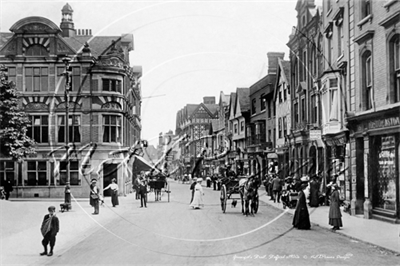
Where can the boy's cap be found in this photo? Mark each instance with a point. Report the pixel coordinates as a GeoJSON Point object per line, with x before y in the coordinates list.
{"type": "Point", "coordinates": [52, 208]}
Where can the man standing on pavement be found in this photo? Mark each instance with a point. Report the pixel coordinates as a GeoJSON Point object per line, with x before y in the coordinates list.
{"type": "Point", "coordinates": [8, 188]}
{"type": "Point", "coordinates": [94, 196]}
{"type": "Point", "coordinates": [50, 227]}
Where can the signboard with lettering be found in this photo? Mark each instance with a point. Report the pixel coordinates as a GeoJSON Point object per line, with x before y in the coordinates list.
{"type": "Point", "coordinates": [315, 134]}
{"type": "Point", "coordinates": [379, 123]}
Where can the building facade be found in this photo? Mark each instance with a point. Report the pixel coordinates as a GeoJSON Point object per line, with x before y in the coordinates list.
{"type": "Point", "coordinates": [374, 119]}
{"type": "Point", "coordinates": [103, 106]}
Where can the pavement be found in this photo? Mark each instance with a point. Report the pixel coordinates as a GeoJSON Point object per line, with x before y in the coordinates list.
{"type": "Point", "coordinates": [21, 219]}
{"type": "Point", "coordinates": [378, 233]}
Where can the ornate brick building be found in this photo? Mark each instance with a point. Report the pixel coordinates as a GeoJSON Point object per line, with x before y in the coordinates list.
{"type": "Point", "coordinates": [104, 105]}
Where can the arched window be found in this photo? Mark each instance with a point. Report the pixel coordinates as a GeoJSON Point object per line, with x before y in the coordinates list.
{"type": "Point", "coordinates": [36, 50]}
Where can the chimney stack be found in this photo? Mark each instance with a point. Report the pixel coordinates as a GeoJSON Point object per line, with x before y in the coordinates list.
{"type": "Point", "coordinates": [273, 61]}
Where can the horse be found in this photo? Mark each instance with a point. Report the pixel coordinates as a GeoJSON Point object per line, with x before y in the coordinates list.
{"type": "Point", "coordinates": [249, 195]}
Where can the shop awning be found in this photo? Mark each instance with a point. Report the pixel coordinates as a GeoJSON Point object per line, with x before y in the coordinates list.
{"type": "Point", "coordinates": [140, 164]}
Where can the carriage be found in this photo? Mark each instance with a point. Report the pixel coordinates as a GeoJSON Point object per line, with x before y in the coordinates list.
{"type": "Point", "coordinates": [159, 185]}
{"type": "Point", "coordinates": [231, 186]}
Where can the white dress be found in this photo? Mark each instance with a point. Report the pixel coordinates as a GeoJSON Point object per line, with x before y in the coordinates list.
{"type": "Point", "coordinates": [198, 197]}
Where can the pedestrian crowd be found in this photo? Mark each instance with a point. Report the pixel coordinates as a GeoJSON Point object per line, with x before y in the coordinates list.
{"type": "Point", "coordinates": [298, 193]}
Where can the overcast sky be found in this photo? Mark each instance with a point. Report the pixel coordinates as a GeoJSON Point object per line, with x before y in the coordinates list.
{"type": "Point", "coordinates": [188, 49]}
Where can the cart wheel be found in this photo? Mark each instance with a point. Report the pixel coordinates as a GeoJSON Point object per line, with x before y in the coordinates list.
{"type": "Point", "coordinates": [223, 198]}
{"type": "Point", "coordinates": [256, 205]}
{"type": "Point", "coordinates": [168, 191]}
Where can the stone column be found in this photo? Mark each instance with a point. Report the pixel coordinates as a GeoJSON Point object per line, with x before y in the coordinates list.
{"type": "Point", "coordinates": [367, 202]}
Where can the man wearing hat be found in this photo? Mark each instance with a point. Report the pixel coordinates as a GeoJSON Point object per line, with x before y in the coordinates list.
{"type": "Point", "coordinates": [50, 227]}
{"type": "Point", "coordinates": [94, 196]}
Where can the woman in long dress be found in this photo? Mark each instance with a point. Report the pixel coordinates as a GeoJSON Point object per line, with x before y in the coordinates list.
{"type": "Point", "coordinates": [114, 192]}
{"type": "Point", "coordinates": [301, 219]}
{"type": "Point", "coordinates": [198, 195]}
{"type": "Point", "coordinates": [335, 216]}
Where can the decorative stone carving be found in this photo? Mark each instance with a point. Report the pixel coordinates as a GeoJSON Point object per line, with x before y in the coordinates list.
{"type": "Point", "coordinates": [114, 62]}
{"type": "Point", "coordinates": [36, 27]}
{"type": "Point", "coordinates": [36, 106]}
{"type": "Point", "coordinates": [112, 106]}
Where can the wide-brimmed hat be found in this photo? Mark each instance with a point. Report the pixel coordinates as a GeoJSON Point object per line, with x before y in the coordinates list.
{"type": "Point", "coordinates": [93, 180]}
{"type": "Point", "coordinates": [199, 179]}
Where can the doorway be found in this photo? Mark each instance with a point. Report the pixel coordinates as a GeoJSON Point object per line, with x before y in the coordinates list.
{"type": "Point", "coordinates": [360, 197]}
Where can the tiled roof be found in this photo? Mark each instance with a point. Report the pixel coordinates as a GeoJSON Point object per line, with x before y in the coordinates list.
{"type": "Point", "coordinates": [212, 108]}
{"type": "Point", "coordinates": [98, 45]}
{"type": "Point", "coordinates": [4, 37]}
{"type": "Point", "coordinates": [243, 95]}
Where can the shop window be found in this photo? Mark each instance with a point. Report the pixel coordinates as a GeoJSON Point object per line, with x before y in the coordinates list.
{"type": "Point", "coordinates": [36, 79]}
{"type": "Point", "coordinates": [112, 85]}
{"type": "Point", "coordinates": [74, 179]}
{"type": "Point", "coordinates": [36, 173]}
{"type": "Point", "coordinates": [7, 172]}
{"type": "Point", "coordinates": [384, 173]}
{"type": "Point", "coordinates": [74, 128]}
{"type": "Point", "coordinates": [38, 129]}
{"type": "Point", "coordinates": [111, 128]}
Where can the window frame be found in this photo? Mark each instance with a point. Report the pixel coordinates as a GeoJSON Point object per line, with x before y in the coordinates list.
{"type": "Point", "coordinates": [71, 128]}
{"type": "Point", "coordinates": [36, 172]}
{"type": "Point", "coordinates": [36, 81]}
{"type": "Point", "coordinates": [117, 126]}
{"type": "Point", "coordinates": [111, 86]}
{"type": "Point", "coordinates": [30, 128]}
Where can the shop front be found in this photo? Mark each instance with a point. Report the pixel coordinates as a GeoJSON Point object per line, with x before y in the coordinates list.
{"type": "Point", "coordinates": [377, 167]}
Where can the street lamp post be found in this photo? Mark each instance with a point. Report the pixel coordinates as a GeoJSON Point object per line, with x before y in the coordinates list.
{"type": "Point", "coordinates": [67, 74]}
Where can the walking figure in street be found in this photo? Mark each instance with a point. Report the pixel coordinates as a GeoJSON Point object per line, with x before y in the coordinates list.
{"type": "Point", "coordinates": [114, 192]}
{"type": "Point", "coordinates": [277, 188]}
{"type": "Point", "coordinates": [192, 189]}
{"type": "Point", "coordinates": [301, 218]}
{"type": "Point", "coordinates": [198, 195]}
{"type": "Point", "coordinates": [335, 216]}
{"type": "Point", "coordinates": [143, 191]}
{"type": "Point", "coordinates": [50, 227]}
{"type": "Point", "coordinates": [94, 196]}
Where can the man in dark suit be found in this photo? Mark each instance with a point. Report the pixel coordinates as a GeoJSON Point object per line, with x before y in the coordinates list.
{"type": "Point", "coordinates": [8, 188]}
{"type": "Point", "coordinates": [50, 227]}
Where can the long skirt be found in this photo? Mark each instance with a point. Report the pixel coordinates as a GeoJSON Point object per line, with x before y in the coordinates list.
{"type": "Point", "coordinates": [197, 200]}
{"type": "Point", "coordinates": [336, 222]}
{"type": "Point", "coordinates": [114, 198]}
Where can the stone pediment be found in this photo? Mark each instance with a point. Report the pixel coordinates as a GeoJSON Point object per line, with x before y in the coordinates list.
{"type": "Point", "coordinates": [35, 25]}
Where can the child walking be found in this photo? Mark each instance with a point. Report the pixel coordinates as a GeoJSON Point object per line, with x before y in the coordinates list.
{"type": "Point", "coordinates": [50, 228]}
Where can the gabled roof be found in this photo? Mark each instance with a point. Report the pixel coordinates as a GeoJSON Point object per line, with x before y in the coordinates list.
{"type": "Point", "coordinates": [224, 99]}
{"type": "Point", "coordinates": [98, 45]}
{"type": "Point", "coordinates": [284, 73]}
{"type": "Point", "coordinates": [232, 102]}
{"type": "Point", "coordinates": [267, 83]}
{"type": "Point", "coordinates": [243, 95]}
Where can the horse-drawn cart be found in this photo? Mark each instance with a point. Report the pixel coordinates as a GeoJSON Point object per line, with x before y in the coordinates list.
{"type": "Point", "coordinates": [159, 185]}
{"type": "Point", "coordinates": [235, 185]}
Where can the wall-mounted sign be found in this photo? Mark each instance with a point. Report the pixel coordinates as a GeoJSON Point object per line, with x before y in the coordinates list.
{"type": "Point", "coordinates": [380, 123]}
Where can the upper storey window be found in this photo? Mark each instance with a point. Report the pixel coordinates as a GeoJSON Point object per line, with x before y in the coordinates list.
{"type": "Point", "coordinates": [113, 85]}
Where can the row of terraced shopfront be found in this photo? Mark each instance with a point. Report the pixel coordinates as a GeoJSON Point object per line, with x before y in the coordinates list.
{"type": "Point", "coordinates": [332, 110]}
